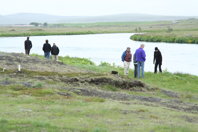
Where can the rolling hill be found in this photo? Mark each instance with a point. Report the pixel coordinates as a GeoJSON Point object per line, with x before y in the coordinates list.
{"type": "Point", "coordinates": [26, 18]}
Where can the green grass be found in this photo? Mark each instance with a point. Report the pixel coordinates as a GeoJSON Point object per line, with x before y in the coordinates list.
{"type": "Point", "coordinates": [64, 115]}
{"type": "Point", "coordinates": [177, 82]}
{"type": "Point", "coordinates": [55, 113]}
{"type": "Point", "coordinates": [174, 37]}
{"type": "Point", "coordinates": [39, 108]}
{"type": "Point", "coordinates": [185, 84]}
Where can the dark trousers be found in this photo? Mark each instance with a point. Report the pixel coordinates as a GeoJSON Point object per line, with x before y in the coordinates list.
{"type": "Point", "coordinates": [156, 65]}
{"type": "Point", "coordinates": [135, 70]}
{"type": "Point", "coordinates": [27, 51]}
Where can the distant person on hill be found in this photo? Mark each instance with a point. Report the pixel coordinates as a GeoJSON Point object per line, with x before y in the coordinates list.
{"type": "Point", "coordinates": [157, 60]}
{"type": "Point", "coordinates": [140, 58]}
{"type": "Point", "coordinates": [47, 49]}
{"type": "Point", "coordinates": [126, 58]}
{"type": "Point", "coordinates": [135, 66]}
{"type": "Point", "coordinates": [55, 52]}
{"type": "Point", "coordinates": [28, 46]}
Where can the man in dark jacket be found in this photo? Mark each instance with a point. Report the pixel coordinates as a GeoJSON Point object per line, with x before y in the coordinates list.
{"type": "Point", "coordinates": [126, 58]}
{"type": "Point", "coordinates": [157, 59]}
{"type": "Point", "coordinates": [55, 52]}
{"type": "Point", "coordinates": [28, 46]}
{"type": "Point", "coordinates": [135, 66]}
{"type": "Point", "coordinates": [47, 49]}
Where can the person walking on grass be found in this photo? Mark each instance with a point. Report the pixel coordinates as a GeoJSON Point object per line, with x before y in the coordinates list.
{"type": "Point", "coordinates": [28, 46]}
{"type": "Point", "coordinates": [126, 58]}
{"type": "Point", "coordinates": [157, 60]}
{"type": "Point", "coordinates": [140, 58]}
{"type": "Point", "coordinates": [55, 52]}
{"type": "Point", "coordinates": [135, 66]}
{"type": "Point", "coordinates": [47, 49]}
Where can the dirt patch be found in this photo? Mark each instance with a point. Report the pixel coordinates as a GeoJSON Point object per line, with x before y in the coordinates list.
{"type": "Point", "coordinates": [173, 104]}
{"type": "Point", "coordinates": [190, 119]}
{"type": "Point", "coordinates": [170, 93]}
{"type": "Point", "coordinates": [132, 85]}
{"type": "Point", "coordinates": [10, 61]}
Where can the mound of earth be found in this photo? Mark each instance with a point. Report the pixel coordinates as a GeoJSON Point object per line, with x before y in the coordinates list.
{"type": "Point", "coordinates": [11, 61]}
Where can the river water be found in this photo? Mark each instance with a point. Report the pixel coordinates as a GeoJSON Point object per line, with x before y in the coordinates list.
{"type": "Point", "coordinates": [181, 58]}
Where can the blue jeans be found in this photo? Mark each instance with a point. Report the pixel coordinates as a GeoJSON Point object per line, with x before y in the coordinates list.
{"type": "Point", "coordinates": [47, 55]}
{"type": "Point", "coordinates": [140, 65]}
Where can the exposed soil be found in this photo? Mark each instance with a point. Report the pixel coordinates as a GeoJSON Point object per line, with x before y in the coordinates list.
{"type": "Point", "coordinates": [10, 61]}
{"type": "Point", "coordinates": [170, 103]}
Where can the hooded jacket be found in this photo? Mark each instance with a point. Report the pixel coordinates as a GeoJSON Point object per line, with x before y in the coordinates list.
{"type": "Point", "coordinates": [55, 50]}
{"type": "Point", "coordinates": [157, 57]}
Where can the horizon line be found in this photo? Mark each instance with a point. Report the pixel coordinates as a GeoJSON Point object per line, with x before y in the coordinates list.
{"type": "Point", "coordinates": [98, 15]}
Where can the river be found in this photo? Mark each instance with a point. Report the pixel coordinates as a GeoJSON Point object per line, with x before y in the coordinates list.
{"type": "Point", "coordinates": [109, 47]}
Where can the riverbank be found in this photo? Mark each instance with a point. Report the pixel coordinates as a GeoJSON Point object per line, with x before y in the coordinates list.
{"type": "Point", "coordinates": [181, 31]}
{"type": "Point", "coordinates": [172, 37]}
{"type": "Point", "coordinates": [65, 29]}
{"type": "Point", "coordinates": [76, 95]}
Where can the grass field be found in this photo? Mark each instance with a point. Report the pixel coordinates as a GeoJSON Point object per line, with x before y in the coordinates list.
{"type": "Point", "coordinates": [36, 106]}
{"type": "Point", "coordinates": [184, 31]}
{"type": "Point", "coordinates": [181, 31]}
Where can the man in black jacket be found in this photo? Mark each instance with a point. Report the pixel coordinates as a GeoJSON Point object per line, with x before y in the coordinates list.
{"type": "Point", "coordinates": [135, 66]}
{"type": "Point", "coordinates": [28, 46]}
{"type": "Point", "coordinates": [47, 49]}
{"type": "Point", "coordinates": [55, 52]}
{"type": "Point", "coordinates": [157, 59]}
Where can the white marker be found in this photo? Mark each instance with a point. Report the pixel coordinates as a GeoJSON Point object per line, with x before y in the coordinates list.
{"type": "Point", "coordinates": [19, 68]}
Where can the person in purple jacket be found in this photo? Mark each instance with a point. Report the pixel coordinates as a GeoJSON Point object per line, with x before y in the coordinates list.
{"type": "Point", "coordinates": [140, 59]}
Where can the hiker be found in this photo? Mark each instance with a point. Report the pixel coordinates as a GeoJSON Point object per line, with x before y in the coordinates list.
{"type": "Point", "coordinates": [55, 52]}
{"type": "Point", "coordinates": [47, 49]}
{"type": "Point", "coordinates": [27, 45]}
{"type": "Point", "coordinates": [135, 66]}
{"type": "Point", "coordinates": [157, 60]}
{"type": "Point", "coordinates": [126, 58]}
{"type": "Point", "coordinates": [140, 58]}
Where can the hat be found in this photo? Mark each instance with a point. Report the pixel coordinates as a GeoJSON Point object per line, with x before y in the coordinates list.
{"type": "Point", "coordinates": [156, 48]}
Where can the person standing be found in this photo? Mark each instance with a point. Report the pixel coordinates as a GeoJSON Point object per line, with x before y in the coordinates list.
{"type": "Point", "coordinates": [157, 60]}
{"type": "Point", "coordinates": [126, 58]}
{"type": "Point", "coordinates": [135, 66]}
{"type": "Point", "coordinates": [140, 58]}
{"type": "Point", "coordinates": [55, 52]}
{"type": "Point", "coordinates": [28, 46]}
{"type": "Point", "coordinates": [47, 49]}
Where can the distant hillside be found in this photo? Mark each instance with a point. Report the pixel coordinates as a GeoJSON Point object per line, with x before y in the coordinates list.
{"type": "Point", "coordinates": [26, 18]}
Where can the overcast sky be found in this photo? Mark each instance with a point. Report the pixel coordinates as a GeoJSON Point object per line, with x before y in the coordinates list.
{"type": "Point", "coordinates": [100, 7]}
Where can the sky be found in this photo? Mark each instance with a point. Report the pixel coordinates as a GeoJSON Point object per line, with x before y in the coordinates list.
{"type": "Point", "coordinates": [100, 7]}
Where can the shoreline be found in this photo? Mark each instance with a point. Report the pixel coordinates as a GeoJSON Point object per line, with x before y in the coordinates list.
{"type": "Point", "coordinates": [146, 37]}
{"type": "Point", "coordinates": [166, 39]}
